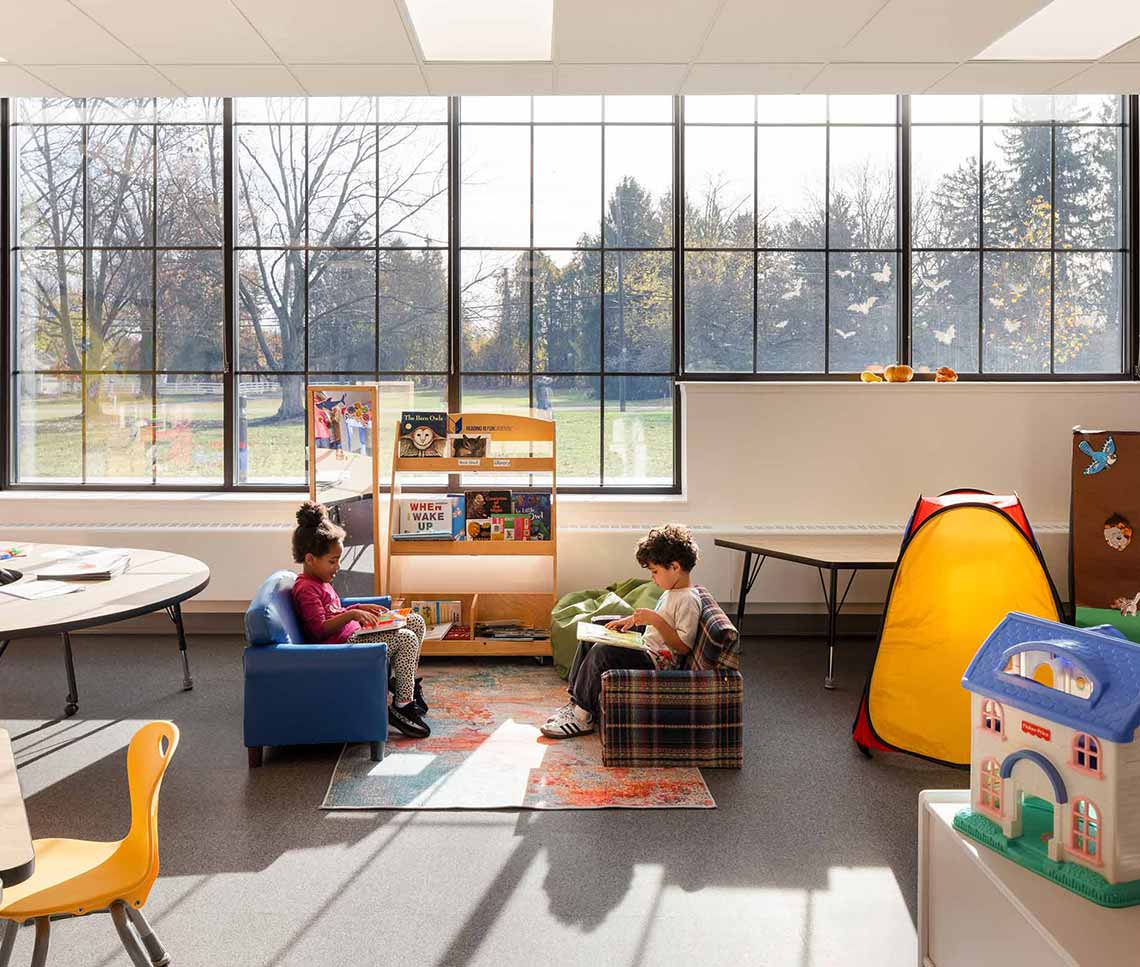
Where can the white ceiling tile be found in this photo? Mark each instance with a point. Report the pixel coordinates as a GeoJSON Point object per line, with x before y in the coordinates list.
{"type": "Point", "coordinates": [445, 79]}
{"type": "Point", "coordinates": [133, 80]}
{"type": "Point", "coordinates": [629, 31]}
{"type": "Point", "coordinates": [1129, 53]}
{"type": "Point", "coordinates": [936, 30]}
{"type": "Point", "coordinates": [1007, 77]}
{"type": "Point", "coordinates": [17, 82]}
{"type": "Point", "coordinates": [334, 80]}
{"type": "Point", "coordinates": [619, 78]}
{"type": "Point", "coordinates": [750, 78]}
{"type": "Point", "coordinates": [332, 31]}
{"type": "Point", "coordinates": [1103, 79]}
{"type": "Point", "coordinates": [202, 32]}
{"type": "Point", "coordinates": [234, 80]}
{"type": "Point", "coordinates": [56, 32]}
{"type": "Point", "coordinates": [877, 78]}
{"type": "Point", "coordinates": [785, 30]}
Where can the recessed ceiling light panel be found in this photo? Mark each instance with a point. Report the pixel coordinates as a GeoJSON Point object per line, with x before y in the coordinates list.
{"type": "Point", "coordinates": [490, 30]}
{"type": "Point", "coordinates": [1069, 30]}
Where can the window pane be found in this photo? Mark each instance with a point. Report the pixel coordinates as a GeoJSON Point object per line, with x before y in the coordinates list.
{"type": "Point", "coordinates": [413, 185]}
{"type": "Point", "coordinates": [495, 199]}
{"type": "Point", "coordinates": [49, 418]}
{"type": "Point", "coordinates": [567, 317]}
{"type": "Point", "coordinates": [271, 430]}
{"type": "Point", "coordinates": [790, 323]}
{"type": "Point", "coordinates": [639, 431]}
{"type": "Point", "coordinates": [862, 187]}
{"type": "Point", "coordinates": [568, 108]}
{"type": "Point", "coordinates": [272, 110]}
{"type": "Point", "coordinates": [119, 110]}
{"type": "Point", "coordinates": [49, 208]}
{"type": "Point", "coordinates": [791, 108]}
{"type": "Point", "coordinates": [1087, 108]}
{"type": "Point", "coordinates": [639, 186]}
{"type": "Point", "coordinates": [515, 108]}
{"type": "Point", "coordinates": [342, 185]}
{"type": "Point", "coordinates": [945, 306]}
{"type": "Point", "coordinates": [191, 310]}
{"type": "Point", "coordinates": [639, 311]}
{"type": "Point", "coordinates": [495, 312]}
{"type": "Point", "coordinates": [190, 204]}
{"type": "Point", "coordinates": [345, 110]}
{"type": "Point", "coordinates": [342, 311]}
{"type": "Point", "coordinates": [49, 310]}
{"type": "Point", "coordinates": [119, 419]}
{"type": "Point", "coordinates": [863, 327]}
{"type": "Point", "coordinates": [270, 185]}
{"type": "Point", "coordinates": [567, 185]}
{"type": "Point", "coordinates": [720, 109]}
{"type": "Point", "coordinates": [413, 310]}
{"type": "Point", "coordinates": [1088, 187]}
{"type": "Point", "coordinates": [408, 110]}
{"type": "Point", "coordinates": [862, 108]}
{"type": "Point", "coordinates": [182, 110]}
{"type": "Point", "coordinates": [790, 187]}
{"type": "Point", "coordinates": [120, 185]}
{"type": "Point", "coordinates": [1015, 196]}
{"type": "Point", "coordinates": [189, 443]}
{"type": "Point", "coordinates": [575, 403]}
{"type": "Point", "coordinates": [271, 310]}
{"type": "Point", "coordinates": [1015, 312]}
{"type": "Point", "coordinates": [49, 110]}
{"type": "Point", "coordinates": [120, 310]}
{"type": "Point", "coordinates": [718, 186]}
{"type": "Point", "coordinates": [945, 108]}
{"type": "Point", "coordinates": [643, 108]}
{"type": "Point", "coordinates": [718, 312]}
{"type": "Point", "coordinates": [1087, 332]}
{"type": "Point", "coordinates": [944, 187]}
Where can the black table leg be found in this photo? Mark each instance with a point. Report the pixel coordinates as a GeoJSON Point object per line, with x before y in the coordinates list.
{"type": "Point", "coordinates": [175, 612]}
{"type": "Point", "coordinates": [832, 621]}
{"type": "Point", "coordinates": [743, 592]}
{"type": "Point", "coordinates": [72, 705]}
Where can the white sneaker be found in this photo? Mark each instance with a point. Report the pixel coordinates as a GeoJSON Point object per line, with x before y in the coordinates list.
{"type": "Point", "coordinates": [568, 721]}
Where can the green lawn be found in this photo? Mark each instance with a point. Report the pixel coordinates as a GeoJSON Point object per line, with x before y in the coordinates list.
{"type": "Point", "coordinates": [638, 442]}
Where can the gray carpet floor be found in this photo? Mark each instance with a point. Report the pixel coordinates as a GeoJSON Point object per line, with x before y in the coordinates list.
{"type": "Point", "coordinates": [810, 858]}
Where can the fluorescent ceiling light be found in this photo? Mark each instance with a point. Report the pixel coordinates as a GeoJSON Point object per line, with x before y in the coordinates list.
{"type": "Point", "coordinates": [1069, 30]}
{"type": "Point", "coordinates": [483, 29]}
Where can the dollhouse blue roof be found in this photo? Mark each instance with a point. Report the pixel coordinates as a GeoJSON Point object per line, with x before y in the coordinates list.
{"type": "Point", "coordinates": [1103, 655]}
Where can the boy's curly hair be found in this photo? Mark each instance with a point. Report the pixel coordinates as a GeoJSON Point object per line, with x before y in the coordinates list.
{"type": "Point", "coordinates": [664, 545]}
{"type": "Point", "coordinates": [315, 533]}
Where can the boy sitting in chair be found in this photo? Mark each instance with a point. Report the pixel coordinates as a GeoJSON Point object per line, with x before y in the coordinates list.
{"type": "Point", "coordinates": [670, 553]}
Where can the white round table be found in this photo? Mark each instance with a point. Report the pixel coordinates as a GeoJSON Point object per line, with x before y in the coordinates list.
{"type": "Point", "coordinates": [155, 580]}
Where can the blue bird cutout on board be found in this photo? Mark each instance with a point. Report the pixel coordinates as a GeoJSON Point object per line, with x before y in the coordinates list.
{"type": "Point", "coordinates": [1101, 459]}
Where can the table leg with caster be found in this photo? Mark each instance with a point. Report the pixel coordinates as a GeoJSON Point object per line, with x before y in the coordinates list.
{"type": "Point", "coordinates": [72, 705]}
{"type": "Point", "coordinates": [832, 621]}
{"type": "Point", "coordinates": [175, 613]}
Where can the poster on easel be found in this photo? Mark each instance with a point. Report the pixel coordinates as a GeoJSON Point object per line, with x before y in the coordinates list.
{"type": "Point", "coordinates": [1104, 551]}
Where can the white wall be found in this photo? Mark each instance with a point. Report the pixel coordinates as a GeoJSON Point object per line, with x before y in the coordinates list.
{"type": "Point", "coordinates": [756, 457]}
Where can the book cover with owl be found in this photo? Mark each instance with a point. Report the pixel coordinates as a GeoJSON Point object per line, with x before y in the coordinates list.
{"type": "Point", "coordinates": [423, 434]}
{"type": "Point", "coordinates": [537, 506]}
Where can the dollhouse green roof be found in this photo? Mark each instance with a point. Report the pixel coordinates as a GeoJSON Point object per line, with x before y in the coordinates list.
{"type": "Point", "coordinates": [1102, 654]}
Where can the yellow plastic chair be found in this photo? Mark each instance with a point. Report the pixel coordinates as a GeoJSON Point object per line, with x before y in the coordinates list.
{"type": "Point", "coordinates": [76, 877]}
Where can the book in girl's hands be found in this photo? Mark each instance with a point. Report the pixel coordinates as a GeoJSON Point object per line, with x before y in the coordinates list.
{"type": "Point", "coordinates": [422, 434]}
{"type": "Point", "coordinates": [537, 505]}
{"type": "Point", "coordinates": [392, 622]}
{"type": "Point", "coordinates": [601, 635]}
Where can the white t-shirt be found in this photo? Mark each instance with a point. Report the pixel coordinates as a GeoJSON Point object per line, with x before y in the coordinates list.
{"type": "Point", "coordinates": [681, 608]}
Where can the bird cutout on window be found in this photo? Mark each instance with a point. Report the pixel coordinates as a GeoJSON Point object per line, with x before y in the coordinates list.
{"type": "Point", "coordinates": [794, 291]}
{"type": "Point", "coordinates": [1101, 459]}
{"type": "Point", "coordinates": [945, 336]}
{"type": "Point", "coordinates": [1011, 325]}
{"type": "Point", "coordinates": [996, 301]}
{"type": "Point", "coordinates": [1018, 289]}
{"type": "Point", "coordinates": [782, 324]}
{"type": "Point", "coordinates": [937, 286]}
{"type": "Point", "coordinates": [844, 273]}
{"type": "Point", "coordinates": [845, 335]}
{"type": "Point", "coordinates": [884, 274]}
{"type": "Point", "coordinates": [863, 307]}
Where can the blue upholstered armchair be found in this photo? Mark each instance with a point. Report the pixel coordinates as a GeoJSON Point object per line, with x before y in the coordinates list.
{"type": "Point", "coordinates": [303, 694]}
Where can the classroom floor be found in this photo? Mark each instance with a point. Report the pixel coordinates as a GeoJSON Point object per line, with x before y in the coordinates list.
{"type": "Point", "coordinates": [809, 859]}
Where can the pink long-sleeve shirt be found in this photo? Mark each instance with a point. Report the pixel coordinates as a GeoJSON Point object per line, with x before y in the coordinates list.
{"type": "Point", "coordinates": [315, 602]}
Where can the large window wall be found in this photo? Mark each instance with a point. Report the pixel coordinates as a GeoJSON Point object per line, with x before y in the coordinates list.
{"type": "Point", "coordinates": [180, 270]}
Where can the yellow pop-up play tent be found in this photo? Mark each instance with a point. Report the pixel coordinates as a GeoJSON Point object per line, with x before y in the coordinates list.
{"type": "Point", "coordinates": [967, 560]}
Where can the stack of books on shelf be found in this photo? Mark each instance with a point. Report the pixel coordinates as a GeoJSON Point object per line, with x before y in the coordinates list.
{"type": "Point", "coordinates": [440, 616]}
{"type": "Point", "coordinates": [476, 515]}
{"type": "Point", "coordinates": [510, 629]}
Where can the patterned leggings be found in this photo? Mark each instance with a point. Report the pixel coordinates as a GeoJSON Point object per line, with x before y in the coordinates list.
{"type": "Point", "coordinates": [403, 654]}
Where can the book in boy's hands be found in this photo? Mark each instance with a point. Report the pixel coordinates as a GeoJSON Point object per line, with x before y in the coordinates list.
{"type": "Point", "coordinates": [537, 505]}
{"type": "Point", "coordinates": [422, 434]}
{"type": "Point", "coordinates": [97, 564]}
{"type": "Point", "coordinates": [599, 634]}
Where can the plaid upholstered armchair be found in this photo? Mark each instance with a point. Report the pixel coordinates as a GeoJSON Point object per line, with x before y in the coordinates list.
{"type": "Point", "coordinates": [690, 717]}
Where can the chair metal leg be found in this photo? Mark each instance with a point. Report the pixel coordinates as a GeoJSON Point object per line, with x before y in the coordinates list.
{"type": "Point", "coordinates": [127, 935]}
{"type": "Point", "coordinates": [175, 612]}
{"type": "Point", "coordinates": [377, 752]}
{"type": "Point", "coordinates": [158, 955]}
{"type": "Point", "coordinates": [72, 705]}
{"type": "Point", "coordinates": [43, 935]}
{"type": "Point", "coordinates": [8, 941]}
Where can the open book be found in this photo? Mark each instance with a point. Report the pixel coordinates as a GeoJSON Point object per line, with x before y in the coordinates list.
{"type": "Point", "coordinates": [393, 622]}
{"type": "Point", "coordinates": [603, 636]}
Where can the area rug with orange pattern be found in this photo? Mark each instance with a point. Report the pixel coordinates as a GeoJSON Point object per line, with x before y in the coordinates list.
{"type": "Point", "coordinates": [486, 752]}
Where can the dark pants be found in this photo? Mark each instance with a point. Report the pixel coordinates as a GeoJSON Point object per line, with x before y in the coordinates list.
{"type": "Point", "coordinates": [590, 661]}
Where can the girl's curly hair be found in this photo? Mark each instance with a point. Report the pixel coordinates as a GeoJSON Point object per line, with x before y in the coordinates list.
{"type": "Point", "coordinates": [664, 545]}
{"type": "Point", "coordinates": [315, 533]}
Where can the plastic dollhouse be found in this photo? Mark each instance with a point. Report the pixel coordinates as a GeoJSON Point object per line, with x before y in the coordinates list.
{"type": "Point", "coordinates": [1055, 761]}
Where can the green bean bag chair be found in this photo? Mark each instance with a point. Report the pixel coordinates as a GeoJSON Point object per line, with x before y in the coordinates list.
{"type": "Point", "coordinates": [621, 598]}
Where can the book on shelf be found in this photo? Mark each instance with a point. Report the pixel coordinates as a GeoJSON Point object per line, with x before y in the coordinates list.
{"type": "Point", "coordinates": [481, 506]}
{"type": "Point", "coordinates": [601, 635]}
{"type": "Point", "coordinates": [437, 632]}
{"type": "Point", "coordinates": [424, 516]}
{"type": "Point", "coordinates": [537, 506]}
{"type": "Point", "coordinates": [434, 537]}
{"type": "Point", "coordinates": [423, 434]}
{"type": "Point", "coordinates": [511, 527]}
{"type": "Point", "coordinates": [86, 565]}
{"type": "Point", "coordinates": [510, 631]}
{"type": "Point", "coordinates": [468, 446]}
{"type": "Point", "coordinates": [458, 516]}
{"type": "Point", "coordinates": [438, 611]}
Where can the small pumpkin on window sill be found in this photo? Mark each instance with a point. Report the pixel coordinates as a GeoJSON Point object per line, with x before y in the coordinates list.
{"type": "Point", "coordinates": [944, 374]}
{"type": "Point", "coordinates": [899, 373]}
